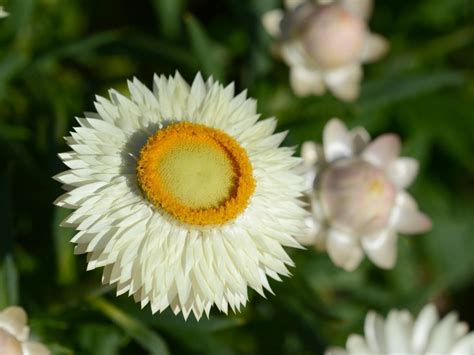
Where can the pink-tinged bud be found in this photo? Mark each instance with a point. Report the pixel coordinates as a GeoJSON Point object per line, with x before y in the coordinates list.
{"type": "Point", "coordinates": [9, 345]}
{"type": "Point", "coordinates": [357, 197]}
{"type": "Point", "coordinates": [333, 36]}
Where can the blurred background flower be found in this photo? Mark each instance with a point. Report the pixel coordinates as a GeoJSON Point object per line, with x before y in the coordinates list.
{"type": "Point", "coordinates": [56, 55]}
{"type": "Point", "coordinates": [15, 334]}
{"type": "Point", "coordinates": [400, 333]}
{"type": "Point", "coordinates": [356, 193]}
{"type": "Point", "coordinates": [325, 43]}
{"type": "Point", "coordinates": [3, 13]}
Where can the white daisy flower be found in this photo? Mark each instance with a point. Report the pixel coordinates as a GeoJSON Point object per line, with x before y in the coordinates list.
{"type": "Point", "coordinates": [14, 334]}
{"type": "Point", "coordinates": [400, 334]}
{"type": "Point", "coordinates": [357, 193]}
{"type": "Point", "coordinates": [325, 44]}
{"type": "Point", "coordinates": [3, 13]}
{"type": "Point", "coordinates": [182, 195]}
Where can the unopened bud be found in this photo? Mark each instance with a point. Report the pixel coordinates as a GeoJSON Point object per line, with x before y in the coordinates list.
{"type": "Point", "coordinates": [333, 36]}
{"type": "Point", "coordinates": [357, 197]}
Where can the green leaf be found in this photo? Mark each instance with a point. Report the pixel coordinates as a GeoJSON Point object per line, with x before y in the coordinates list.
{"type": "Point", "coordinates": [98, 339]}
{"type": "Point", "coordinates": [197, 336]}
{"type": "Point", "coordinates": [6, 223]}
{"type": "Point", "coordinates": [79, 48]}
{"type": "Point", "coordinates": [212, 58]}
{"type": "Point", "coordinates": [19, 21]}
{"type": "Point", "coordinates": [10, 65]}
{"type": "Point", "coordinates": [11, 132]}
{"type": "Point", "coordinates": [9, 289]}
{"type": "Point", "coordinates": [143, 45]}
{"type": "Point", "coordinates": [143, 335]}
{"type": "Point", "coordinates": [65, 260]}
{"type": "Point", "coordinates": [384, 92]}
{"type": "Point", "coordinates": [169, 14]}
{"type": "Point", "coordinates": [213, 324]}
{"type": "Point", "coordinates": [57, 349]}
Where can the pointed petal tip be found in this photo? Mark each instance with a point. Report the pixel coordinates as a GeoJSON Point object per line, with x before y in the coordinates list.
{"type": "Point", "coordinates": [344, 251]}
{"type": "Point", "coordinates": [383, 150]}
{"type": "Point", "coordinates": [336, 140]}
{"type": "Point", "coordinates": [271, 22]}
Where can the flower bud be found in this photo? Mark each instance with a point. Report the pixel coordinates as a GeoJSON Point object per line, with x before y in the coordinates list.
{"type": "Point", "coordinates": [357, 197]}
{"type": "Point", "coordinates": [9, 345]}
{"type": "Point", "coordinates": [333, 36]}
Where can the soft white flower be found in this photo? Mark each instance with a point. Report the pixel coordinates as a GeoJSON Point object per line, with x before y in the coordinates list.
{"type": "Point", "coordinates": [357, 194]}
{"type": "Point", "coordinates": [182, 195]}
{"type": "Point", "coordinates": [3, 13]}
{"type": "Point", "coordinates": [14, 334]}
{"type": "Point", "coordinates": [325, 44]}
{"type": "Point", "coordinates": [400, 334]}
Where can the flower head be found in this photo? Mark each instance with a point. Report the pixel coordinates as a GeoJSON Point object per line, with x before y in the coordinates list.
{"type": "Point", "coordinates": [401, 334]}
{"type": "Point", "coordinates": [357, 195]}
{"type": "Point", "coordinates": [182, 196]}
{"type": "Point", "coordinates": [325, 44]}
{"type": "Point", "coordinates": [14, 334]}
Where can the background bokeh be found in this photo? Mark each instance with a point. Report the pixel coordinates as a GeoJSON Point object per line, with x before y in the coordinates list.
{"type": "Point", "coordinates": [55, 55]}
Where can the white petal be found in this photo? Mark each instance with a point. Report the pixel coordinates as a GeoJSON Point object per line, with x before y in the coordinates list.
{"type": "Point", "coordinates": [344, 250]}
{"type": "Point", "coordinates": [381, 248]}
{"type": "Point", "coordinates": [383, 150]}
{"type": "Point", "coordinates": [14, 320]}
{"type": "Point", "coordinates": [406, 218]}
{"type": "Point", "coordinates": [361, 8]}
{"type": "Point", "coordinates": [356, 345]}
{"type": "Point", "coordinates": [374, 330]}
{"type": "Point", "coordinates": [422, 328]}
{"type": "Point", "coordinates": [312, 153]}
{"type": "Point", "coordinates": [403, 171]}
{"type": "Point", "coordinates": [375, 47]}
{"type": "Point", "coordinates": [291, 4]}
{"type": "Point", "coordinates": [293, 53]}
{"type": "Point", "coordinates": [271, 21]}
{"type": "Point", "coordinates": [313, 229]}
{"type": "Point", "coordinates": [337, 141]}
{"type": "Point", "coordinates": [306, 82]}
{"type": "Point", "coordinates": [360, 139]}
{"type": "Point", "coordinates": [443, 335]}
{"type": "Point", "coordinates": [336, 351]}
{"type": "Point", "coordinates": [34, 348]}
{"type": "Point", "coordinates": [397, 333]}
{"type": "Point", "coordinates": [345, 82]}
{"type": "Point", "coordinates": [464, 346]}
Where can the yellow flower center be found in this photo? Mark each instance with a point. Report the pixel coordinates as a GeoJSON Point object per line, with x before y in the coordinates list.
{"type": "Point", "coordinates": [197, 174]}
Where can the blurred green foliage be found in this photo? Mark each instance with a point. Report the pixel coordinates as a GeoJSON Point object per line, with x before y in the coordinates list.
{"type": "Point", "coordinates": [55, 55]}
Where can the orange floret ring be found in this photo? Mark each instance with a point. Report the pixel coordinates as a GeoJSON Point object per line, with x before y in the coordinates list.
{"type": "Point", "coordinates": [197, 174]}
